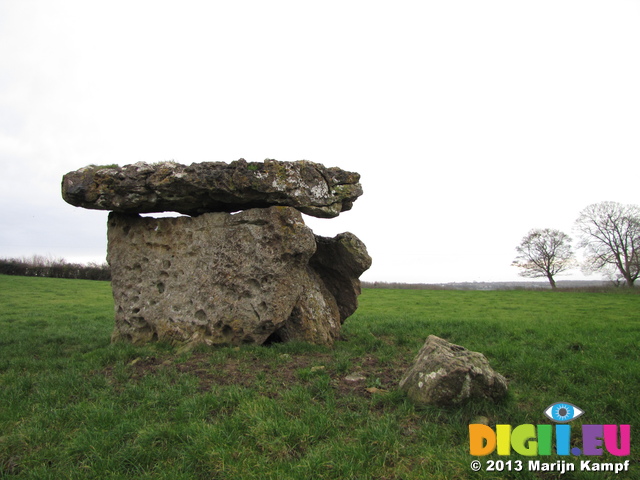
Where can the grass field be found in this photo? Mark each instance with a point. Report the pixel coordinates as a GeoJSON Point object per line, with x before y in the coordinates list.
{"type": "Point", "coordinates": [74, 406]}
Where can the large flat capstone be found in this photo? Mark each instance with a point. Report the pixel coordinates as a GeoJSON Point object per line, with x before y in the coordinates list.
{"type": "Point", "coordinates": [205, 187]}
{"type": "Point", "coordinates": [256, 276]}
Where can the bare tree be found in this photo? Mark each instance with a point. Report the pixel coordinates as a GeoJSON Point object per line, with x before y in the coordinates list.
{"type": "Point", "coordinates": [544, 253]}
{"type": "Point", "coordinates": [610, 233]}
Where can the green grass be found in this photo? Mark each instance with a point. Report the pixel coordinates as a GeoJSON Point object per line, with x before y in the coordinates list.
{"type": "Point", "coordinates": [72, 405]}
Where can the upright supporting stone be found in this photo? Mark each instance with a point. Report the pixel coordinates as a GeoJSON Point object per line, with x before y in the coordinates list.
{"type": "Point", "coordinates": [220, 279]}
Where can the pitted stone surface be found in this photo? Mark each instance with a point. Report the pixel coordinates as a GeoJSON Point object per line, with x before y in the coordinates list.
{"type": "Point", "coordinates": [447, 374]}
{"type": "Point", "coordinates": [220, 278]}
{"type": "Point", "coordinates": [340, 261]}
{"type": "Point", "coordinates": [213, 187]}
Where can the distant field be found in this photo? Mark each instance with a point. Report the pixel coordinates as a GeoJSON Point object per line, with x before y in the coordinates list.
{"type": "Point", "coordinates": [74, 406]}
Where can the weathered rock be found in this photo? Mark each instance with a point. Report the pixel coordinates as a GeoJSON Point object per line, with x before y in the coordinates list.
{"type": "Point", "coordinates": [220, 278]}
{"type": "Point", "coordinates": [340, 261]}
{"type": "Point", "coordinates": [256, 276]}
{"type": "Point", "coordinates": [213, 187]}
{"type": "Point", "coordinates": [447, 374]}
{"type": "Point", "coordinates": [335, 269]}
{"type": "Point", "coordinates": [355, 378]}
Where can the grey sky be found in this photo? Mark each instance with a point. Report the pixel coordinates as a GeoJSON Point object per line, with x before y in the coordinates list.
{"type": "Point", "coordinates": [470, 122]}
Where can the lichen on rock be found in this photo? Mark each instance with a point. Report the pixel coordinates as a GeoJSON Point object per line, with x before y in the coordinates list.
{"type": "Point", "coordinates": [207, 187]}
{"type": "Point", "coordinates": [446, 374]}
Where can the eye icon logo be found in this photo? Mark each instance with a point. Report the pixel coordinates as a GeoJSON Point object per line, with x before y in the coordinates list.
{"type": "Point", "coordinates": [563, 412]}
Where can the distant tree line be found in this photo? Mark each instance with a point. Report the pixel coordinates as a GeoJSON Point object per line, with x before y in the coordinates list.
{"type": "Point", "coordinates": [402, 286]}
{"type": "Point", "coordinates": [40, 266]}
{"type": "Point", "coordinates": [591, 286]}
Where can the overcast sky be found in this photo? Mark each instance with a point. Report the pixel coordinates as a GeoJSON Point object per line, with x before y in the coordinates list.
{"type": "Point", "coordinates": [471, 122]}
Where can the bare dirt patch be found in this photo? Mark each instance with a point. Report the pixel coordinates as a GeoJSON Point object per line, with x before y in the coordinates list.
{"type": "Point", "coordinates": [271, 375]}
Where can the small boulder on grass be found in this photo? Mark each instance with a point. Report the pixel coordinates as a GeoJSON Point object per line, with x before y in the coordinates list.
{"type": "Point", "coordinates": [447, 374]}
